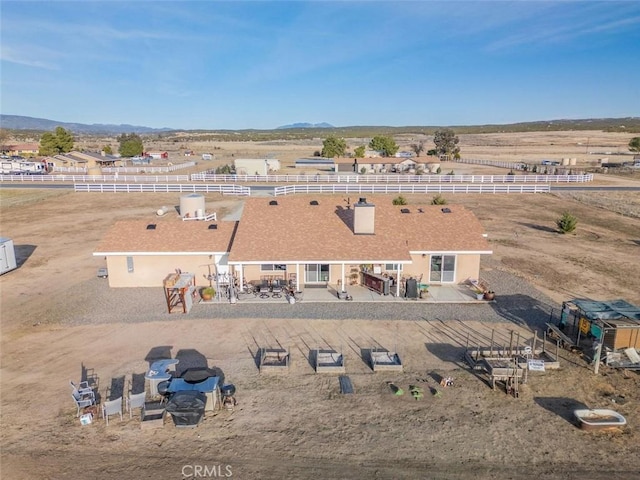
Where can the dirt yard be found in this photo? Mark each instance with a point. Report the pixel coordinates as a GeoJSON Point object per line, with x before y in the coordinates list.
{"type": "Point", "coordinates": [298, 425]}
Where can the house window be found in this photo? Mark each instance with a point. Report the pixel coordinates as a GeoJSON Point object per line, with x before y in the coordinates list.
{"type": "Point", "coordinates": [442, 268]}
{"type": "Point", "coordinates": [130, 264]}
{"type": "Point", "coordinates": [392, 267]}
{"type": "Point", "coordinates": [316, 273]}
{"type": "Point", "coordinates": [270, 267]}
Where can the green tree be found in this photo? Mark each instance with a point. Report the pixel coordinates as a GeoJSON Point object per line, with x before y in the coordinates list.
{"type": "Point", "coordinates": [446, 143]}
{"type": "Point", "coordinates": [567, 223]}
{"type": "Point", "coordinates": [61, 141]}
{"type": "Point", "coordinates": [359, 151]}
{"type": "Point", "coordinates": [634, 144]}
{"type": "Point", "coordinates": [333, 147]}
{"type": "Point", "coordinates": [399, 200]}
{"type": "Point", "coordinates": [417, 148]}
{"type": "Point", "coordinates": [130, 145]}
{"type": "Point", "coordinates": [385, 145]}
{"type": "Point", "coordinates": [107, 149]}
{"type": "Point", "coordinates": [438, 200]}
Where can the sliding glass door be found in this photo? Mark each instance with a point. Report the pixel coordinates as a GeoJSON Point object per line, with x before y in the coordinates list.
{"type": "Point", "coordinates": [316, 273]}
{"type": "Point", "coordinates": [443, 268]}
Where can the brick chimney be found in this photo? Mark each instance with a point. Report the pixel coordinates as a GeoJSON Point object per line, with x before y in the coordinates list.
{"type": "Point", "coordinates": [364, 215]}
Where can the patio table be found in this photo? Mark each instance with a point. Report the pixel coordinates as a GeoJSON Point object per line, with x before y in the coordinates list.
{"type": "Point", "coordinates": [159, 371]}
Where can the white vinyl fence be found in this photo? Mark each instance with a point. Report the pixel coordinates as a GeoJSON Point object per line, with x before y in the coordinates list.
{"type": "Point", "coordinates": [95, 178]}
{"type": "Point", "coordinates": [161, 188]}
{"type": "Point", "coordinates": [360, 188]}
{"type": "Point", "coordinates": [207, 177]}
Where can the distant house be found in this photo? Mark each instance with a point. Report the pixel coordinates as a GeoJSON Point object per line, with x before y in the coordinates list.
{"type": "Point", "coordinates": [23, 149]}
{"type": "Point", "coordinates": [83, 160]}
{"type": "Point", "coordinates": [378, 165]}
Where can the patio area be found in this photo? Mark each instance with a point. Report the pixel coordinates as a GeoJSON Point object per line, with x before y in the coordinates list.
{"type": "Point", "coordinates": [436, 294]}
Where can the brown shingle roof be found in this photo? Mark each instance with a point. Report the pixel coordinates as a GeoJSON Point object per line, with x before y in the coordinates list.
{"type": "Point", "coordinates": [295, 230]}
{"type": "Point", "coordinates": [169, 236]}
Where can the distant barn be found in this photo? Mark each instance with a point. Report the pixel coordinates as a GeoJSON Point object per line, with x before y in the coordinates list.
{"type": "Point", "coordinates": [318, 163]}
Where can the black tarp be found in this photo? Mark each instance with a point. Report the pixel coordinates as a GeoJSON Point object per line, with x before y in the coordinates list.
{"type": "Point", "coordinates": [187, 408]}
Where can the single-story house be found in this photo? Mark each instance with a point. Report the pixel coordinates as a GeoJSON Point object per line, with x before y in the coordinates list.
{"type": "Point", "coordinates": [322, 240]}
{"type": "Point", "coordinates": [308, 240]}
{"type": "Point", "coordinates": [141, 253]}
{"type": "Point", "coordinates": [83, 160]}
{"type": "Point", "coordinates": [378, 165]}
{"type": "Point", "coordinates": [23, 149]}
{"type": "Point", "coordinates": [256, 166]}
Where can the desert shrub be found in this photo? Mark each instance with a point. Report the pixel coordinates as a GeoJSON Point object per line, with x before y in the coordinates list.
{"type": "Point", "coordinates": [439, 171]}
{"type": "Point", "coordinates": [399, 200]}
{"type": "Point", "coordinates": [438, 200]}
{"type": "Point", "coordinates": [567, 223]}
{"type": "Point", "coordinates": [225, 170]}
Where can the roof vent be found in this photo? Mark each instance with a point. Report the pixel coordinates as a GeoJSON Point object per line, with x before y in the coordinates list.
{"type": "Point", "coordinates": [405, 210]}
{"type": "Point", "coordinates": [314, 202]}
{"type": "Point", "coordinates": [151, 226]}
{"type": "Point", "coordinates": [213, 226]}
{"type": "Point", "coordinates": [420, 210]}
{"type": "Point", "coordinates": [273, 202]}
{"type": "Point", "coordinates": [446, 210]}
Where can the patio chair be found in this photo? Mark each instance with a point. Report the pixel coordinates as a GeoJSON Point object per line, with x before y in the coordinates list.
{"type": "Point", "coordinates": [83, 388]}
{"type": "Point", "coordinates": [82, 401]}
{"type": "Point", "coordinates": [112, 407]}
{"type": "Point", "coordinates": [276, 289]}
{"type": "Point", "coordinates": [135, 401]}
{"type": "Point", "coordinates": [263, 290]}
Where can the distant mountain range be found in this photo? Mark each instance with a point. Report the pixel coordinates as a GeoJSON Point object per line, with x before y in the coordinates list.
{"type": "Point", "coordinates": [18, 122]}
{"type": "Point", "coordinates": [304, 130]}
{"type": "Point", "coordinates": [306, 125]}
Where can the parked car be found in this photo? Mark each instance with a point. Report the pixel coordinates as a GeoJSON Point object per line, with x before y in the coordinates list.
{"type": "Point", "coordinates": [103, 272]}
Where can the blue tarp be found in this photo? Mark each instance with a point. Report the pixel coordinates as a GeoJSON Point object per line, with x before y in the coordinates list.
{"type": "Point", "coordinates": [609, 310]}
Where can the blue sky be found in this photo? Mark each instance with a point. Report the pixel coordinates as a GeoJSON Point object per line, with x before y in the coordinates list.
{"type": "Point", "coordinates": [262, 64]}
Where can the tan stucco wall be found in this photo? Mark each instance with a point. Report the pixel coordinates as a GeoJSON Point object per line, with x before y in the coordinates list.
{"type": "Point", "coordinates": [150, 271]}
{"type": "Point", "coordinates": [467, 266]}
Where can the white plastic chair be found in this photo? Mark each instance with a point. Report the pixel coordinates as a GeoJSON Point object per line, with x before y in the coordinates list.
{"type": "Point", "coordinates": [135, 401]}
{"type": "Point", "coordinates": [82, 401]}
{"type": "Point", "coordinates": [112, 407]}
{"type": "Point", "coordinates": [82, 389]}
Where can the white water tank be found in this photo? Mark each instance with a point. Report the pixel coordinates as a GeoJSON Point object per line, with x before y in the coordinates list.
{"type": "Point", "coordinates": [162, 211]}
{"type": "Point", "coordinates": [190, 204]}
